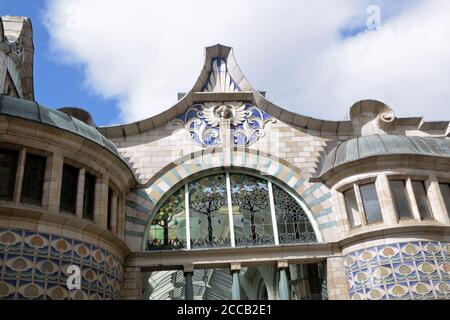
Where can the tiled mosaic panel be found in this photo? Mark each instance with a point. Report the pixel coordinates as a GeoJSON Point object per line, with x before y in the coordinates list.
{"type": "Point", "coordinates": [33, 266]}
{"type": "Point", "coordinates": [410, 270]}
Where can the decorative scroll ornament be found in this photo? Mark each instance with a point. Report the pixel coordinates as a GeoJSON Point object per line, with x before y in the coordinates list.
{"type": "Point", "coordinates": [16, 47]}
{"type": "Point", "coordinates": [203, 121]}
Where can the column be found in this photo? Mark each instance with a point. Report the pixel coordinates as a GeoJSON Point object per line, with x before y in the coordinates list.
{"type": "Point", "coordinates": [412, 199]}
{"type": "Point", "coordinates": [227, 141]}
{"type": "Point", "coordinates": [283, 284]}
{"type": "Point", "coordinates": [385, 199]}
{"type": "Point", "coordinates": [235, 288]}
{"type": "Point", "coordinates": [80, 193]}
{"type": "Point", "coordinates": [52, 182]}
{"type": "Point", "coordinates": [436, 200]}
{"type": "Point", "coordinates": [19, 176]}
{"type": "Point", "coordinates": [359, 201]}
{"type": "Point", "coordinates": [101, 201]}
{"type": "Point", "coordinates": [337, 286]}
{"type": "Point", "coordinates": [132, 284]}
{"type": "Point", "coordinates": [114, 211]}
{"type": "Point", "coordinates": [188, 286]}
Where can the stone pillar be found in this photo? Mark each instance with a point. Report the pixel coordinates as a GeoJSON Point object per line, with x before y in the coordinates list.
{"type": "Point", "coordinates": [235, 288]}
{"type": "Point", "coordinates": [101, 201]}
{"type": "Point", "coordinates": [283, 284]}
{"type": "Point", "coordinates": [188, 286]}
{"type": "Point", "coordinates": [19, 176]}
{"type": "Point", "coordinates": [412, 200]}
{"type": "Point", "coordinates": [80, 193]}
{"type": "Point", "coordinates": [132, 284]}
{"type": "Point", "coordinates": [227, 141]}
{"type": "Point", "coordinates": [337, 286]}
{"type": "Point", "coordinates": [386, 201]}
{"type": "Point", "coordinates": [52, 182]}
{"type": "Point", "coordinates": [437, 203]}
{"type": "Point", "coordinates": [114, 211]}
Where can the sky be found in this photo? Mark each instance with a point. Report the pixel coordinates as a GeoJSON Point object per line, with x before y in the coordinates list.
{"type": "Point", "coordinates": [125, 61]}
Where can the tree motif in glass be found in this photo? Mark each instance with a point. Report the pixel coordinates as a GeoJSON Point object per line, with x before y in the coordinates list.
{"type": "Point", "coordinates": [250, 198]}
{"type": "Point", "coordinates": [208, 206]}
{"type": "Point", "coordinates": [292, 221]}
{"type": "Point", "coordinates": [168, 229]}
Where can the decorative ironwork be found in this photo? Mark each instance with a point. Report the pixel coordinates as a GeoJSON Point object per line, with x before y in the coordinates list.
{"type": "Point", "coordinates": [165, 227]}
{"type": "Point", "coordinates": [293, 223]}
{"type": "Point", "coordinates": [207, 196]}
{"type": "Point", "coordinates": [203, 121]}
{"type": "Point", "coordinates": [251, 196]}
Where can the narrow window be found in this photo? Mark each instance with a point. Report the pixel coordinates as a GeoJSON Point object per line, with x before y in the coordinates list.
{"type": "Point", "coordinates": [352, 208]}
{"type": "Point", "coordinates": [445, 190]}
{"type": "Point", "coordinates": [371, 203]}
{"type": "Point", "coordinates": [69, 188]}
{"type": "Point", "coordinates": [33, 179]}
{"type": "Point", "coordinates": [88, 196]}
{"type": "Point", "coordinates": [109, 208]}
{"type": "Point", "coordinates": [8, 169]}
{"type": "Point", "coordinates": [422, 200]}
{"type": "Point", "coordinates": [400, 197]}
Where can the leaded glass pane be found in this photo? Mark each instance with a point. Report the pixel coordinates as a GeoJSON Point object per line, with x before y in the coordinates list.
{"type": "Point", "coordinates": [33, 179]}
{"type": "Point", "coordinates": [400, 197]}
{"type": "Point", "coordinates": [352, 208]}
{"type": "Point", "coordinates": [292, 221]}
{"type": "Point", "coordinates": [371, 203]}
{"type": "Point", "coordinates": [89, 196]}
{"type": "Point", "coordinates": [251, 211]}
{"type": "Point", "coordinates": [445, 190]}
{"type": "Point", "coordinates": [69, 188]}
{"type": "Point", "coordinates": [422, 200]}
{"type": "Point", "coordinates": [168, 228]}
{"type": "Point", "coordinates": [8, 167]}
{"type": "Point", "coordinates": [208, 212]}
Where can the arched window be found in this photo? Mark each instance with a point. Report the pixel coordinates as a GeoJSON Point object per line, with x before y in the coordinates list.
{"type": "Point", "coordinates": [229, 210]}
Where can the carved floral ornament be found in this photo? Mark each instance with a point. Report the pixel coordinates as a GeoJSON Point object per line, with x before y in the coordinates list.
{"type": "Point", "coordinates": [203, 122]}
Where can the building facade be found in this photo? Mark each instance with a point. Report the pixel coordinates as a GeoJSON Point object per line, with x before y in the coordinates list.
{"type": "Point", "coordinates": [225, 195]}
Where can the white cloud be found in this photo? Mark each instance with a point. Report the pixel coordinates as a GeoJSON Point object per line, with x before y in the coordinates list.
{"type": "Point", "coordinates": [144, 52]}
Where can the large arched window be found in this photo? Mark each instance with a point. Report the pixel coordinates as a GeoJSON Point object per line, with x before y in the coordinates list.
{"type": "Point", "coordinates": [229, 210]}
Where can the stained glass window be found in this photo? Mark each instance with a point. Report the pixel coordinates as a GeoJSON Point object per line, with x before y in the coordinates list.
{"type": "Point", "coordinates": [251, 211]}
{"type": "Point", "coordinates": [208, 211]}
{"type": "Point", "coordinates": [211, 213]}
{"type": "Point", "coordinates": [293, 223]}
{"type": "Point", "coordinates": [168, 228]}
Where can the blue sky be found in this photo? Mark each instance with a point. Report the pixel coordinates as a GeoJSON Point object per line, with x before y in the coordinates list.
{"type": "Point", "coordinates": [58, 84]}
{"type": "Point", "coordinates": [127, 60]}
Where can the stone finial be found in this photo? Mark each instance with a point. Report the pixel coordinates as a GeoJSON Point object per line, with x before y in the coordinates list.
{"type": "Point", "coordinates": [370, 117]}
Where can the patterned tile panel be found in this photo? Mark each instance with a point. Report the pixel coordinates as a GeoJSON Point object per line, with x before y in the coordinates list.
{"type": "Point", "coordinates": [33, 266]}
{"type": "Point", "coordinates": [409, 270]}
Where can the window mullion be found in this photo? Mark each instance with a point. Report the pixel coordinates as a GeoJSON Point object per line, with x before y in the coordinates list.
{"type": "Point", "coordinates": [186, 211]}
{"type": "Point", "coordinates": [272, 213]}
{"type": "Point", "coordinates": [230, 210]}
